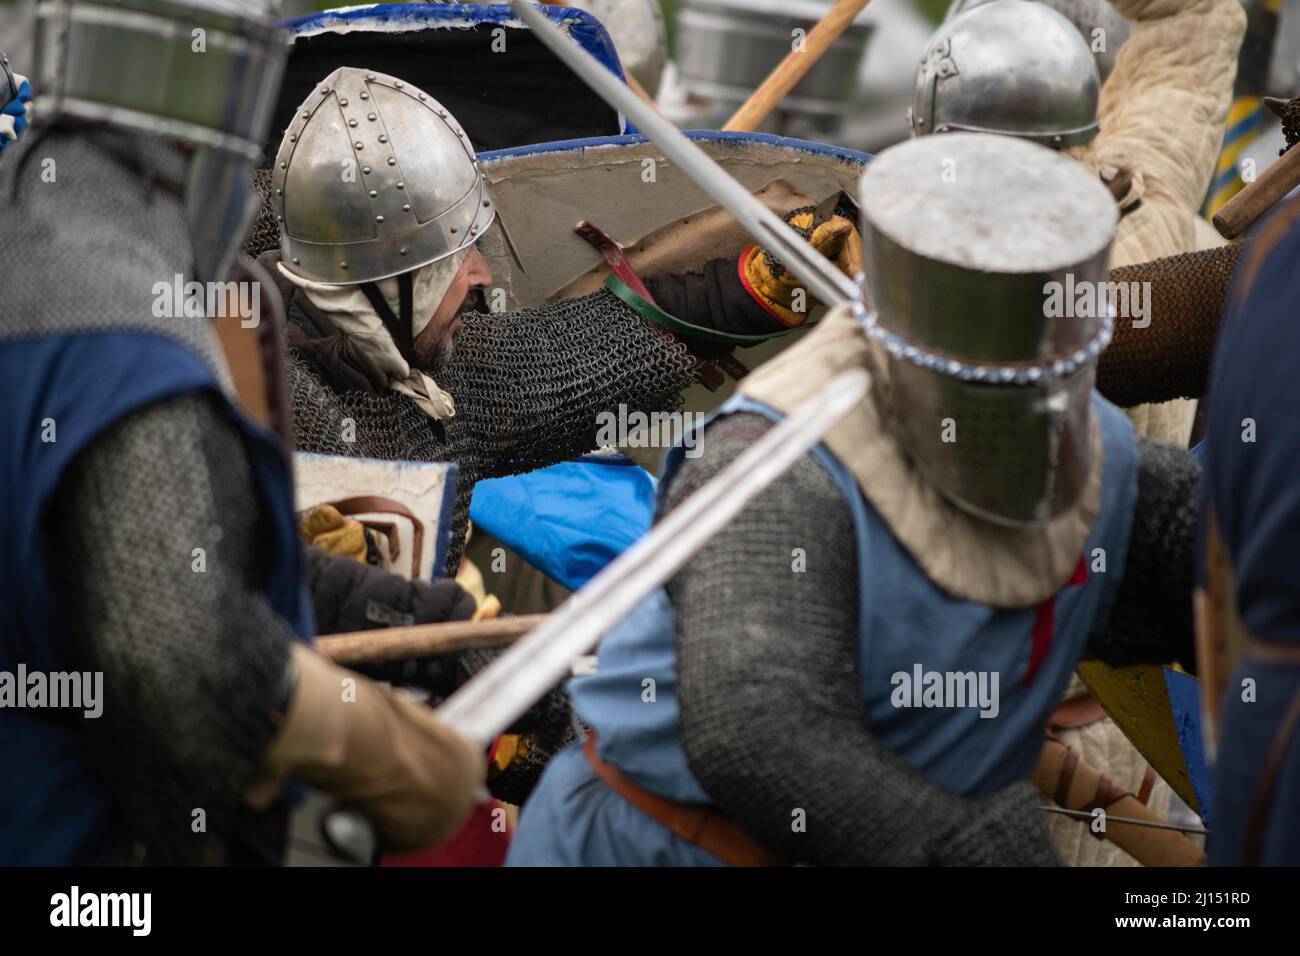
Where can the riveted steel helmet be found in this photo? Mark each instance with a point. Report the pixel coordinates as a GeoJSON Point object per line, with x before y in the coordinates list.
{"type": "Point", "coordinates": [975, 246]}
{"type": "Point", "coordinates": [1013, 67]}
{"type": "Point", "coordinates": [203, 72]}
{"type": "Point", "coordinates": [1102, 27]}
{"type": "Point", "coordinates": [374, 178]}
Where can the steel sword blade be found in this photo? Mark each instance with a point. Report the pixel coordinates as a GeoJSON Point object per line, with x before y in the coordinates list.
{"type": "Point", "coordinates": [824, 281]}
{"type": "Point", "coordinates": [1132, 821]}
{"type": "Point", "coordinates": [505, 689]}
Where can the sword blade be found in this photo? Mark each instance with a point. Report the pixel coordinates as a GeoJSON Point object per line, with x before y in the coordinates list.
{"type": "Point", "coordinates": [1132, 821]}
{"type": "Point", "coordinates": [492, 701]}
{"type": "Point", "coordinates": [824, 281]}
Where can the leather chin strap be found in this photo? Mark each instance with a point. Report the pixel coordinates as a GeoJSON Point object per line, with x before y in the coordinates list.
{"type": "Point", "coordinates": [399, 326]}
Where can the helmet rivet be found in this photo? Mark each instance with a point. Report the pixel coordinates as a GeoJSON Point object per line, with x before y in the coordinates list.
{"type": "Point", "coordinates": [401, 185]}
{"type": "Point", "coordinates": [423, 97]}
{"type": "Point", "coordinates": [374, 193]}
{"type": "Point", "coordinates": [306, 115]}
{"type": "Point", "coordinates": [343, 102]}
{"type": "Point", "coordinates": [279, 218]}
{"type": "Point", "coordinates": [370, 76]}
{"type": "Point", "coordinates": [324, 91]}
{"type": "Point", "coordinates": [358, 144]}
{"type": "Point", "coordinates": [371, 117]}
{"type": "Point", "coordinates": [398, 84]}
{"type": "Point", "coordinates": [402, 252]}
{"type": "Point", "coordinates": [279, 192]}
{"type": "Point", "coordinates": [379, 219]}
{"type": "Point", "coordinates": [473, 229]}
{"type": "Point", "coordinates": [383, 138]}
{"type": "Point", "coordinates": [365, 95]}
{"type": "Point", "coordinates": [284, 165]}
{"type": "Point", "coordinates": [453, 229]}
{"type": "Point", "coordinates": [296, 261]}
{"type": "Point", "coordinates": [343, 265]}
{"type": "Point", "coordinates": [442, 113]}
{"type": "Point", "coordinates": [352, 123]}
{"type": "Point", "coordinates": [392, 160]}
{"type": "Point", "coordinates": [293, 137]}
{"type": "Point", "coordinates": [366, 170]}
{"type": "Point", "coordinates": [406, 207]}
{"type": "Point", "coordinates": [486, 204]}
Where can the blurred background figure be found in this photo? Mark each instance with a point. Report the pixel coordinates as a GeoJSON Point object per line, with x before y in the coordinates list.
{"type": "Point", "coordinates": [15, 104]}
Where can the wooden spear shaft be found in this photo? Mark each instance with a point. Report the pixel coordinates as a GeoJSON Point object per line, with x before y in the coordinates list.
{"type": "Point", "coordinates": [795, 66]}
{"type": "Point", "coordinates": [424, 640]}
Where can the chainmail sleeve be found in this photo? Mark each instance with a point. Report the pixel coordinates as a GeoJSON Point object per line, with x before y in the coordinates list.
{"type": "Point", "coordinates": [1152, 621]}
{"type": "Point", "coordinates": [195, 662]}
{"type": "Point", "coordinates": [1166, 354]}
{"type": "Point", "coordinates": [771, 716]}
{"type": "Point", "coordinates": [529, 386]}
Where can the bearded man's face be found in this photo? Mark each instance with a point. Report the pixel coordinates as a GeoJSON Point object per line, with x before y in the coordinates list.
{"type": "Point", "coordinates": [434, 344]}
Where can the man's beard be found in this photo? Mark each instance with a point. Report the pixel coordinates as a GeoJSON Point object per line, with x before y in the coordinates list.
{"type": "Point", "coordinates": [433, 356]}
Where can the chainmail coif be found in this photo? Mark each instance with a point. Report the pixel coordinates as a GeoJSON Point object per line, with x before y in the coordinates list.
{"type": "Point", "coordinates": [264, 234]}
{"type": "Point", "coordinates": [528, 387]}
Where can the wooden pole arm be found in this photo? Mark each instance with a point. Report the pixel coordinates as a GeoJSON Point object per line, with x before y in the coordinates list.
{"type": "Point", "coordinates": [1251, 204]}
{"type": "Point", "coordinates": [424, 640]}
{"type": "Point", "coordinates": [795, 66]}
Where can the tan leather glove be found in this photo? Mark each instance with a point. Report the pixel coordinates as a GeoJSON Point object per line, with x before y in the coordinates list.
{"type": "Point", "coordinates": [388, 757]}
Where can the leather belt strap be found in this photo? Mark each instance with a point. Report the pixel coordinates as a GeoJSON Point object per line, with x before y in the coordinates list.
{"type": "Point", "coordinates": [698, 826]}
{"type": "Point", "coordinates": [1273, 653]}
{"type": "Point", "coordinates": [1148, 784]}
{"type": "Point", "coordinates": [709, 373]}
{"type": "Point", "coordinates": [377, 504]}
{"type": "Point", "coordinates": [1106, 794]}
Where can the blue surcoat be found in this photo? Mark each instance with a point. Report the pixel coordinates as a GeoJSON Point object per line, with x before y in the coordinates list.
{"type": "Point", "coordinates": [905, 622]}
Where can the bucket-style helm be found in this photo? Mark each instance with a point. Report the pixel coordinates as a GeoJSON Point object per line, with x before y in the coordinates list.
{"type": "Point", "coordinates": [203, 72]}
{"type": "Point", "coordinates": [1013, 67]}
{"type": "Point", "coordinates": [976, 246]}
{"type": "Point", "coordinates": [375, 178]}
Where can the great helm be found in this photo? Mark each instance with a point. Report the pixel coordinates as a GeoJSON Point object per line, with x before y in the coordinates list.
{"type": "Point", "coordinates": [374, 178]}
{"type": "Point", "coordinates": [203, 72]}
{"type": "Point", "coordinates": [1013, 67]}
{"type": "Point", "coordinates": [975, 246]}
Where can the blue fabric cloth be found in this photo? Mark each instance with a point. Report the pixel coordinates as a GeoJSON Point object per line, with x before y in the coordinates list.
{"type": "Point", "coordinates": [1251, 478]}
{"type": "Point", "coordinates": [1246, 735]}
{"type": "Point", "coordinates": [1185, 704]}
{"type": "Point", "coordinates": [17, 109]}
{"type": "Point", "coordinates": [71, 389]}
{"type": "Point", "coordinates": [578, 821]}
{"type": "Point", "coordinates": [955, 747]}
{"type": "Point", "coordinates": [1251, 467]}
{"type": "Point", "coordinates": [571, 519]}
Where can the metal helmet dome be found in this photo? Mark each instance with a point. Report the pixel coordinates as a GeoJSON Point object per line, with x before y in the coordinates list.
{"type": "Point", "coordinates": [1013, 67]}
{"type": "Point", "coordinates": [374, 178]}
